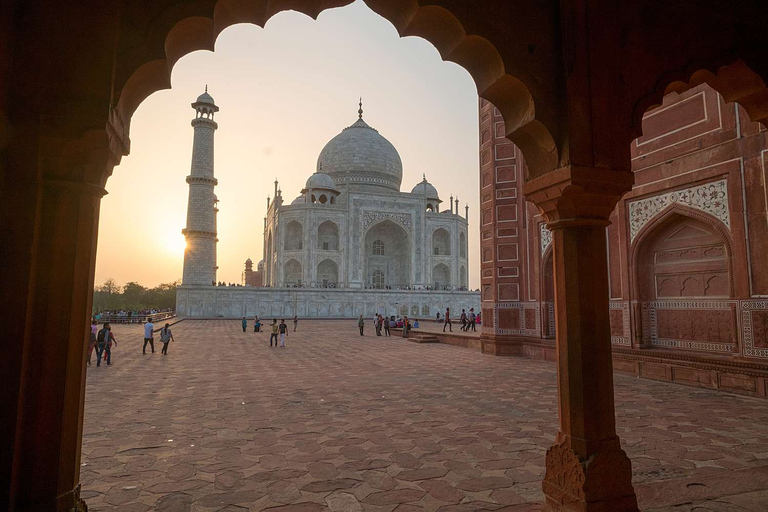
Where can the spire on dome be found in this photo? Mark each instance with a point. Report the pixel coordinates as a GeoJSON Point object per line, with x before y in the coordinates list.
{"type": "Point", "coordinates": [360, 111]}
{"type": "Point", "coordinates": [206, 87]}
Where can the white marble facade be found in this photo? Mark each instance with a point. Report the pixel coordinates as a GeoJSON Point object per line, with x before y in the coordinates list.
{"type": "Point", "coordinates": [267, 303]}
{"type": "Point", "coordinates": [352, 227]}
{"type": "Point", "coordinates": [352, 243]}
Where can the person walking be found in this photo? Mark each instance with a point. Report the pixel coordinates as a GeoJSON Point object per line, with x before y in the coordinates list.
{"type": "Point", "coordinates": [378, 324]}
{"type": "Point", "coordinates": [295, 322]}
{"type": "Point", "coordinates": [245, 324]}
{"type": "Point", "coordinates": [386, 326]}
{"type": "Point", "coordinates": [92, 339]}
{"type": "Point", "coordinates": [361, 324]}
{"type": "Point", "coordinates": [108, 349]}
{"type": "Point", "coordinates": [448, 320]}
{"type": "Point", "coordinates": [437, 317]}
{"type": "Point", "coordinates": [149, 329]}
{"type": "Point", "coordinates": [256, 324]}
{"type": "Point", "coordinates": [406, 327]}
{"type": "Point", "coordinates": [283, 333]}
{"type": "Point", "coordinates": [166, 336]}
{"type": "Point", "coordinates": [273, 336]}
{"type": "Point", "coordinates": [101, 342]}
{"type": "Point", "coordinates": [472, 320]}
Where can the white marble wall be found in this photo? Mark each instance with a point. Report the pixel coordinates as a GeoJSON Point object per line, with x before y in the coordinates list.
{"type": "Point", "coordinates": [236, 302]}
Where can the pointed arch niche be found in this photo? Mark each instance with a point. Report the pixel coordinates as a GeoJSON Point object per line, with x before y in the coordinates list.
{"type": "Point", "coordinates": [683, 279]}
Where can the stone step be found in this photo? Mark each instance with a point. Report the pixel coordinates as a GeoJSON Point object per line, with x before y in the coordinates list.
{"type": "Point", "coordinates": [422, 338]}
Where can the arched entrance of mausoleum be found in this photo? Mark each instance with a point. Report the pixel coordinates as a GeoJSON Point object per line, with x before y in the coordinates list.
{"type": "Point", "coordinates": [387, 256]}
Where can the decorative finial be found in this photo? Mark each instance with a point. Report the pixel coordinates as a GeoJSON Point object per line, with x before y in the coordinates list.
{"type": "Point", "coordinates": [424, 176]}
{"type": "Point", "coordinates": [206, 88]}
{"type": "Point", "coordinates": [360, 112]}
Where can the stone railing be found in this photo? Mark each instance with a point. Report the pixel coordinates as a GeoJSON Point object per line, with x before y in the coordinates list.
{"type": "Point", "coordinates": [115, 318]}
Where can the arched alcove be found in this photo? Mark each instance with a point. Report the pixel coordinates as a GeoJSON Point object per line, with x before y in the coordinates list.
{"type": "Point", "coordinates": [268, 261]}
{"type": "Point", "coordinates": [441, 242]}
{"type": "Point", "coordinates": [441, 276]}
{"type": "Point", "coordinates": [327, 273]}
{"type": "Point", "coordinates": [328, 236]}
{"type": "Point", "coordinates": [682, 257]}
{"type": "Point", "coordinates": [294, 236]}
{"type": "Point", "coordinates": [463, 276]}
{"type": "Point", "coordinates": [292, 273]}
{"type": "Point", "coordinates": [462, 245]}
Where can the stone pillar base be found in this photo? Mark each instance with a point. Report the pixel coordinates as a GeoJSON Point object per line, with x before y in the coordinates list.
{"type": "Point", "coordinates": [601, 483]}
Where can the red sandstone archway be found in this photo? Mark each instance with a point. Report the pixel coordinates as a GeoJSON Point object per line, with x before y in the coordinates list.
{"type": "Point", "coordinates": [508, 89]}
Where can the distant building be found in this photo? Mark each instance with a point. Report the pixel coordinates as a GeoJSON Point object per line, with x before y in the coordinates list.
{"type": "Point", "coordinates": [351, 243]}
{"type": "Point", "coordinates": [252, 277]}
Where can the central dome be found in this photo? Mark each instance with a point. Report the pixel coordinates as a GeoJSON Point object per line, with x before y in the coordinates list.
{"type": "Point", "coordinates": [360, 156]}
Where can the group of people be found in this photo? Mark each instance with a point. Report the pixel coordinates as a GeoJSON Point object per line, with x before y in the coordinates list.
{"type": "Point", "coordinates": [278, 330]}
{"type": "Point", "coordinates": [102, 340]}
{"type": "Point", "coordinates": [383, 323]}
{"type": "Point", "coordinates": [468, 321]}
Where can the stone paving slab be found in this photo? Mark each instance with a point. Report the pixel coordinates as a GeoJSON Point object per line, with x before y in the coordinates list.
{"type": "Point", "coordinates": [343, 423]}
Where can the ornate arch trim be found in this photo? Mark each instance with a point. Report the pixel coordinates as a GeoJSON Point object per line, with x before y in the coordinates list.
{"type": "Point", "coordinates": [710, 198]}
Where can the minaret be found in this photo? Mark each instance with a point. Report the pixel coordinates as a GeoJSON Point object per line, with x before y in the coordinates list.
{"type": "Point", "coordinates": [200, 233]}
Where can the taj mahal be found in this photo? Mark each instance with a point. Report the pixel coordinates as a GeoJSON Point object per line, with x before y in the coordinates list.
{"type": "Point", "coordinates": [350, 243]}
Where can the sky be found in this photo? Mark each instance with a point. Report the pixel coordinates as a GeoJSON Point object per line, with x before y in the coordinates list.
{"type": "Point", "coordinates": [284, 91]}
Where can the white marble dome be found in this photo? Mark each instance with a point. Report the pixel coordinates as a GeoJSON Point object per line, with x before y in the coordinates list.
{"type": "Point", "coordinates": [360, 156]}
{"type": "Point", "coordinates": [320, 180]}
{"type": "Point", "coordinates": [205, 98]}
{"type": "Point", "coordinates": [299, 200]}
{"type": "Point", "coordinates": [425, 186]}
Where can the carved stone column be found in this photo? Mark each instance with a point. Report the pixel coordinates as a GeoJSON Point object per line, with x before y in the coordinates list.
{"type": "Point", "coordinates": [586, 469]}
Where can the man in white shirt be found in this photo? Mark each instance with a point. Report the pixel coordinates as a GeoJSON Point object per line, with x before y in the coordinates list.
{"type": "Point", "coordinates": [149, 328]}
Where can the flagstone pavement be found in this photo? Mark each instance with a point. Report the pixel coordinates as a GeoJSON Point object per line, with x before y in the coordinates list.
{"type": "Point", "coordinates": [339, 422]}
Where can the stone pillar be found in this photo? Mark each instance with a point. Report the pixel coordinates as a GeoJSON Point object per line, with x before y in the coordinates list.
{"type": "Point", "coordinates": [53, 189]}
{"type": "Point", "coordinates": [586, 469]}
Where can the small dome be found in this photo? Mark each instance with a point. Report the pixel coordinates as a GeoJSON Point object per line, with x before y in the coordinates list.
{"type": "Point", "coordinates": [260, 266]}
{"type": "Point", "coordinates": [205, 98]}
{"type": "Point", "coordinates": [320, 180]}
{"type": "Point", "coordinates": [299, 200]}
{"type": "Point", "coordinates": [359, 155]}
{"type": "Point", "coordinates": [249, 260]}
{"type": "Point", "coordinates": [426, 188]}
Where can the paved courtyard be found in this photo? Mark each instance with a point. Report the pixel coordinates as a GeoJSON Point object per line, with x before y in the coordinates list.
{"type": "Point", "coordinates": [343, 423]}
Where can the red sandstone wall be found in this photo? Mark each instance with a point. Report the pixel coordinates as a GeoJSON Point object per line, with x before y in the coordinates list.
{"type": "Point", "coordinates": [702, 289]}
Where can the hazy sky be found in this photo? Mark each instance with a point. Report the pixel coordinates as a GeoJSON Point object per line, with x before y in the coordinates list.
{"type": "Point", "coordinates": [284, 92]}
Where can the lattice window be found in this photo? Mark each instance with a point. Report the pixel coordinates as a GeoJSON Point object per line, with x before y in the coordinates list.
{"type": "Point", "coordinates": [378, 279]}
{"type": "Point", "coordinates": [378, 248]}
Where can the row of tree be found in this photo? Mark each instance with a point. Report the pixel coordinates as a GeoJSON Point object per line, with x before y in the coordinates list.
{"type": "Point", "coordinates": [133, 297]}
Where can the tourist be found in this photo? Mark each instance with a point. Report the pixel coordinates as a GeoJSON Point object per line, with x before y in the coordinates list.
{"type": "Point", "coordinates": [386, 326]}
{"type": "Point", "coordinates": [448, 320]}
{"type": "Point", "coordinates": [283, 333]}
{"type": "Point", "coordinates": [166, 336]}
{"type": "Point", "coordinates": [463, 319]}
{"type": "Point", "coordinates": [415, 323]}
{"type": "Point", "coordinates": [256, 324]}
{"type": "Point", "coordinates": [405, 327]}
{"type": "Point", "coordinates": [472, 320]}
{"type": "Point", "coordinates": [92, 339]}
{"type": "Point", "coordinates": [245, 324]}
{"type": "Point", "coordinates": [149, 329]}
{"type": "Point", "coordinates": [295, 322]}
{"type": "Point", "coordinates": [361, 324]}
{"type": "Point", "coordinates": [104, 341]}
{"type": "Point", "coordinates": [437, 317]}
{"type": "Point", "coordinates": [274, 332]}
